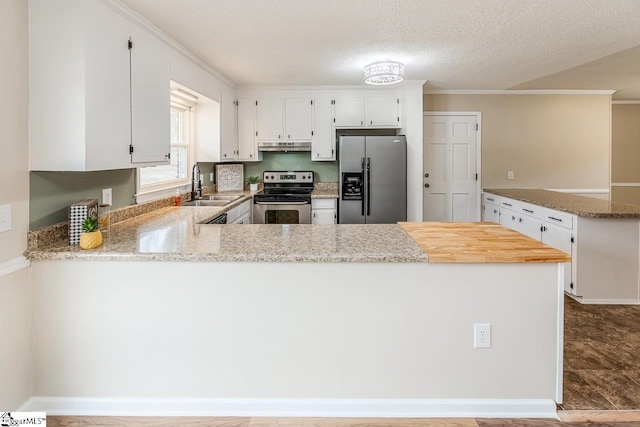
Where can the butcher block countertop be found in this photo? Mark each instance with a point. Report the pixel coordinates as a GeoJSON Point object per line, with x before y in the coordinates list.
{"type": "Point", "coordinates": [478, 242]}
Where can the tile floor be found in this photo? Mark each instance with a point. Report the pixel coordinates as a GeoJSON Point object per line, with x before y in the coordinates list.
{"type": "Point", "coordinates": [601, 356]}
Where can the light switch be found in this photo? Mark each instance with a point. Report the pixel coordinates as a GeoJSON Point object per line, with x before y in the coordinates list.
{"type": "Point", "coordinates": [5, 218]}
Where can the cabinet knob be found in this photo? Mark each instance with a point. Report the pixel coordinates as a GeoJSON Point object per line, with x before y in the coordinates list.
{"type": "Point", "coordinates": [250, 155]}
{"type": "Point", "coordinates": [426, 175]}
{"type": "Point", "coordinates": [371, 121]}
{"type": "Point", "coordinates": [288, 136]}
{"type": "Point", "coordinates": [361, 122]}
{"type": "Point", "coordinates": [278, 136]}
{"type": "Point", "coordinates": [426, 186]}
{"type": "Point", "coordinates": [224, 155]}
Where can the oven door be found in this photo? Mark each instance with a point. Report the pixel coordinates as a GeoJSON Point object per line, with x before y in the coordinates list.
{"type": "Point", "coordinates": [270, 212]}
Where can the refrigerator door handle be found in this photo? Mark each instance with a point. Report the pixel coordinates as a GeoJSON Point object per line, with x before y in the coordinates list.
{"type": "Point", "coordinates": [368, 186]}
{"type": "Point", "coordinates": [362, 184]}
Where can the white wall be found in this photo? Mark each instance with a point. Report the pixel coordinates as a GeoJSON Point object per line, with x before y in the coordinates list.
{"type": "Point", "coordinates": [15, 314]}
{"type": "Point", "coordinates": [347, 331]}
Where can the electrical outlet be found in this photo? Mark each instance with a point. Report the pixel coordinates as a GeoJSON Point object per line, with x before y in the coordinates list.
{"type": "Point", "coordinates": [510, 175]}
{"type": "Point", "coordinates": [211, 177]}
{"type": "Point", "coordinates": [482, 335]}
{"type": "Point", "coordinates": [107, 198]}
{"type": "Point", "coordinates": [5, 218]}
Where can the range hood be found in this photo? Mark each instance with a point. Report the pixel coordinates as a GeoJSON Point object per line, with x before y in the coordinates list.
{"type": "Point", "coordinates": [284, 146]}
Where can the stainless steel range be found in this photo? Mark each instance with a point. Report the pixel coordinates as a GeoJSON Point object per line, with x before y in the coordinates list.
{"type": "Point", "coordinates": [285, 199]}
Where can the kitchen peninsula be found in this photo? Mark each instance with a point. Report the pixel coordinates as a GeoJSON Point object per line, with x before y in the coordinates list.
{"type": "Point", "coordinates": [306, 320]}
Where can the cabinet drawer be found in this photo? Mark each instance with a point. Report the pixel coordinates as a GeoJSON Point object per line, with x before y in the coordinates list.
{"type": "Point", "coordinates": [323, 203]}
{"type": "Point", "coordinates": [490, 198]}
{"type": "Point", "coordinates": [562, 219]}
{"type": "Point", "coordinates": [514, 205]}
{"type": "Point", "coordinates": [529, 209]}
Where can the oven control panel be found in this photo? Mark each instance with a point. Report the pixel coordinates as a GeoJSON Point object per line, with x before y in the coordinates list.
{"type": "Point", "coordinates": [293, 177]}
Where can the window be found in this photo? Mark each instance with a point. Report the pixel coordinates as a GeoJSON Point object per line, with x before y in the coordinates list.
{"type": "Point", "coordinates": [174, 174]}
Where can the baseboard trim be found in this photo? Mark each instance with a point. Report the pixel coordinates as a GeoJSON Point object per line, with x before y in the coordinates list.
{"type": "Point", "coordinates": [608, 301]}
{"type": "Point", "coordinates": [13, 265]}
{"type": "Point", "coordinates": [370, 408]}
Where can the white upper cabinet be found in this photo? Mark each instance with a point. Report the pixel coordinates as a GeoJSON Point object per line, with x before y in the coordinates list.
{"type": "Point", "coordinates": [370, 111]}
{"type": "Point", "coordinates": [92, 98]}
{"type": "Point", "coordinates": [323, 143]}
{"type": "Point", "coordinates": [298, 119]}
{"type": "Point", "coordinates": [247, 147]}
{"type": "Point", "coordinates": [228, 128]}
{"type": "Point", "coordinates": [289, 119]}
{"type": "Point", "coordinates": [270, 119]}
{"type": "Point", "coordinates": [349, 112]}
{"type": "Point", "coordinates": [382, 111]}
{"type": "Point", "coordinates": [150, 99]}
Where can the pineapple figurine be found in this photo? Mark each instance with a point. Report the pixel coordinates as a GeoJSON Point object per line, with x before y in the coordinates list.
{"type": "Point", "coordinates": [91, 236]}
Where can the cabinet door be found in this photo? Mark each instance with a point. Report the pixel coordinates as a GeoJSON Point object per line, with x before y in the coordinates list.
{"type": "Point", "coordinates": [247, 148]}
{"type": "Point", "coordinates": [243, 219]}
{"type": "Point", "coordinates": [150, 99]}
{"type": "Point", "coordinates": [561, 239]}
{"type": "Point", "coordinates": [490, 213]}
{"type": "Point", "coordinates": [298, 119]}
{"type": "Point", "coordinates": [323, 144]}
{"type": "Point", "coordinates": [324, 216]}
{"type": "Point", "coordinates": [382, 111]}
{"type": "Point", "coordinates": [530, 226]}
{"type": "Point", "coordinates": [107, 90]}
{"type": "Point", "coordinates": [269, 119]}
{"type": "Point", "coordinates": [509, 219]}
{"type": "Point", "coordinates": [349, 112]}
{"type": "Point", "coordinates": [228, 129]}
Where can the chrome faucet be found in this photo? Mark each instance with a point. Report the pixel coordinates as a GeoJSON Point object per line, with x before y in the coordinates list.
{"type": "Point", "coordinates": [195, 191]}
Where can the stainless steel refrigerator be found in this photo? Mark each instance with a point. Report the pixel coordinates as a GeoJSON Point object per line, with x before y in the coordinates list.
{"type": "Point", "coordinates": [373, 179]}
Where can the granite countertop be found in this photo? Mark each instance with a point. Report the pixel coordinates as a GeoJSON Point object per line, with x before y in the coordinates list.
{"type": "Point", "coordinates": [325, 193]}
{"type": "Point", "coordinates": [175, 234]}
{"type": "Point", "coordinates": [570, 203]}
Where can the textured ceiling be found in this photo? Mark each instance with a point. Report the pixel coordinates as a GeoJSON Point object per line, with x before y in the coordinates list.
{"type": "Point", "coordinates": [454, 44]}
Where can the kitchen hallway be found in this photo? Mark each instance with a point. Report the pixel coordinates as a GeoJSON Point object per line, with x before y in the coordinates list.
{"type": "Point", "coordinates": [601, 357]}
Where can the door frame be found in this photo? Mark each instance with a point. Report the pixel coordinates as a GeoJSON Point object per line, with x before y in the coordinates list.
{"type": "Point", "coordinates": [478, 116]}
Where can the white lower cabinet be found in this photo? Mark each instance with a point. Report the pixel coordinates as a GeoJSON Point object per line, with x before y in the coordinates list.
{"type": "Point", "coordinates": [561, 239]}
{"type": "Point", "coordinates": [324, 211]}
{"type": "Point", "coordinates": [548, 226]}
{"type": "Point", "coordinates": [240, 214]}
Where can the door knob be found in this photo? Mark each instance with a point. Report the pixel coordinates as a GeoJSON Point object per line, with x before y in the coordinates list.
{"type": "Point", "coordinates": [426, 186]}
{"type": "Point", "coordinates": [426, 175]}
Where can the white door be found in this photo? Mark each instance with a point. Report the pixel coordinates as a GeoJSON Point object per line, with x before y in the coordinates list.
{"type": "Point", "coordinates": [449, 168]}
{"type": "Point", "coordinates": [561, 239]}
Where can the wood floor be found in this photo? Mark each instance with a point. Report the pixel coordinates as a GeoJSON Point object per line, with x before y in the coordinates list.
{"type": "Point", "coordinates": [601, 356]}
{"type": "Point", "coordinates": [317, 422]}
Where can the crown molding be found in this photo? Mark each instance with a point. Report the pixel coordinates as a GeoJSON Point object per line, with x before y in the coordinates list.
{"type": "Point", "coordinates": [362, 86]}
{"type": "Point", "coordinates": [520, 92]}
{"type": "Point", "coordinates": [141, 21]}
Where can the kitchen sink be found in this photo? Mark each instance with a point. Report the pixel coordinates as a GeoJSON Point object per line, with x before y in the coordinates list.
{"type": "Point", "coordinates": [206, 202]}
{"type": "Point", "coordinates": [221, 197]}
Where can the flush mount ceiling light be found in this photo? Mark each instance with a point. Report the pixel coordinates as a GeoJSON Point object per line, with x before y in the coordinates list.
{"type": "Point", "coordinates": [384, 73]}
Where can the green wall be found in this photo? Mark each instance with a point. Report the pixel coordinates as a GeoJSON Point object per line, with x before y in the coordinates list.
{"type": "Point", "coordinates": [53, 192]}
{"type": "Point", "coordinates": [301, 161]}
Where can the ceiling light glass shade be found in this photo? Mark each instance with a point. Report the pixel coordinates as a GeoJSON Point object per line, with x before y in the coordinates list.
{"type": "Point", "coordinates": [384, 73]}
